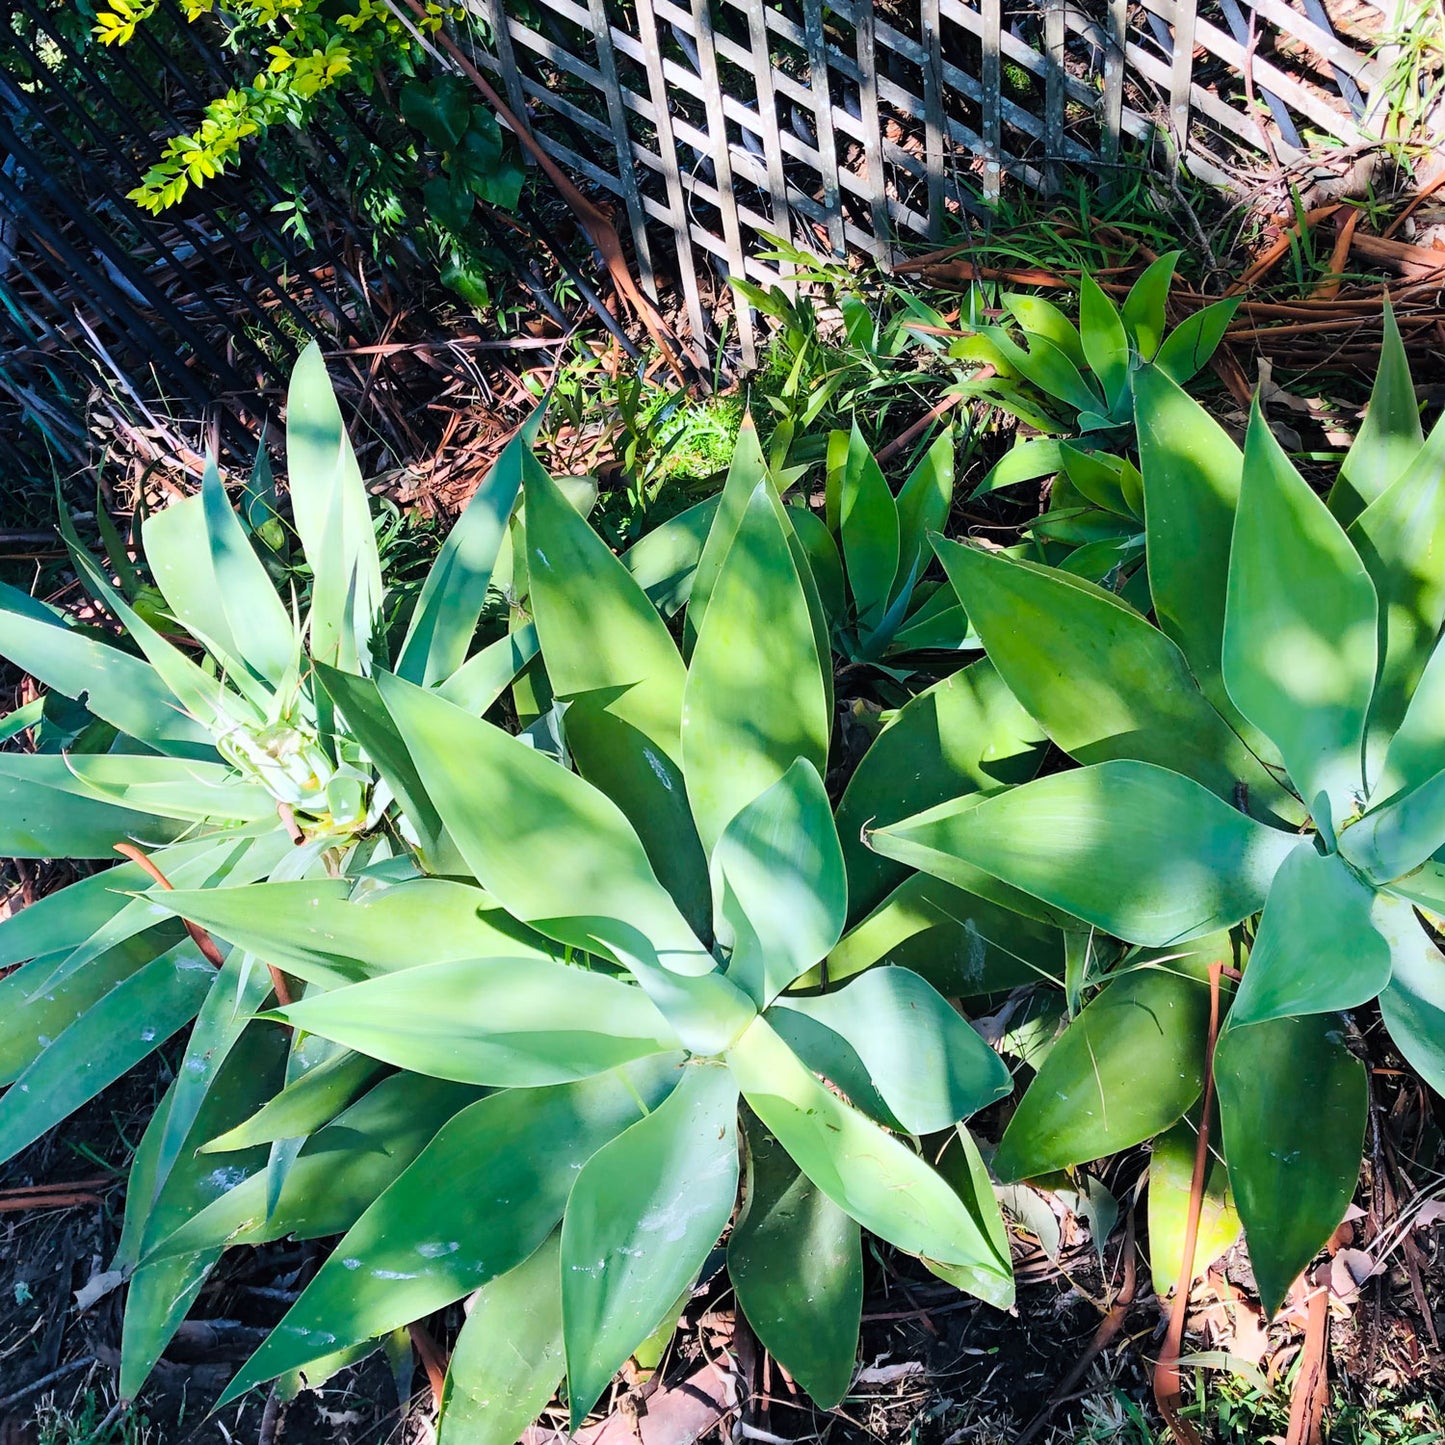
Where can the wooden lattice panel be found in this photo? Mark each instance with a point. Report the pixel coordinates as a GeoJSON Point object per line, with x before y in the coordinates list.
{"type": "Point", "coordinates": [719, 123]}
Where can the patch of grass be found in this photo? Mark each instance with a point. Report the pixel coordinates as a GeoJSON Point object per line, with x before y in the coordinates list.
{"type": "Point", "coordinates": [88, 1421]}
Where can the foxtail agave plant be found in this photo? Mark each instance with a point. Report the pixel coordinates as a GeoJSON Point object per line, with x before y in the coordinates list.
{"type": "Point", "coordinates": [1276, 747]}
{"type": "Point", "coordinates": [654, 1033]}
{"type": "Point", "coordinates": [221, 744]}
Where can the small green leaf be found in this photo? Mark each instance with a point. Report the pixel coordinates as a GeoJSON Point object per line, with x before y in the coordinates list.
{"type": "Point", "coordinates": [508, 1358]}
{"type": "Point", "coordinates": [1417, 750]}
{"type": "Point", "coordinates": [1390, 436]}
{"type": "Point", "coordinates": [964, 945]}
{"type": "Point", "coordinates": [755, 699]}
{"type": "Point", "coordinates": [796, 1262]}
{"type": "Point", "coordinates": [644, 1213]}
{"type": "Point", "coordinates": [333, 518]}
{"type": "Point", "coordinates": [863, 1169]}
{"type": "Point", "coordinates": [1318, 949]}
{"type": "Point", "coordinates": [1299, 630]}
{"type": "Point", "coordinates": [1106, 345]}
{"type": "Point", "coordinates": [506, 1022]}
{"type": "Point", "coordinates": [924, 501]}
{"type": "Point", "coordinates": [966, 733]}
{"type": "Point", "coordinates": [1039, 317]}
{"type": "Point", "coordinates": [1187, 349]}
{"type": "Point", "coordinates": [419, 1247]}
{"type": "Point", "coordinates": [930, 1068]}
{"type": "Point", "coordinates": [305, 1105]}
{"type": "Point", "coordinates": [610, 656]}
{"type": "Point", "coordinates": [780, 893]}
{"type": "Point", "coordinates": [316, 931]}
{"type": "Point", "coordinates": [1413, 1003]}
{"type": "Point", "coordinates": [1086, 1102]}
{"type": "Point", "coordinates": [455, 590]}
{"type": "Point", "coordinates": [1171, 1174]}
{"type": "Point", "coordinates": [867, 523]}
{"type": "Point", "coordinates": [1144, 307]}
{"type": "Point", "coordinates": [1141, 852]}
{"type": "Point", "coordinates": [1292, 1100]}
{"type": "Point", "coordinates": [1102, 681]}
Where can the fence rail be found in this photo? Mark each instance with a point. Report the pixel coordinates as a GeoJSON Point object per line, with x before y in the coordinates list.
{"type": "Point", "coordinates": [717, 123]}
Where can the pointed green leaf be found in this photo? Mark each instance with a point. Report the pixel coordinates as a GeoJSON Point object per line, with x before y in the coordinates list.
{"type": "Point", "coordinates": [215, 583]}
{"type": "Point", "coordinates": [1299, 630]}
{"type": "Point", "coordinates": [559, 854]}
{"type": "Point", "coordinates": [609, 655]}
{"type": "Point", "coordinates": [1106, 345]}
{"type": "Point", "coordinates": [1101, 680]}
{"type": "Point", "coordinates": [1144, 310]}
{"type": "Point", "coordinates": [664, 562]}
{"type": "Point", "coordinates": [161, 1291]}
{"type": "Point", "coordinates": [1171, 1175]}
{"type": "Point", "coordinates": [965, 1171]}
{"type": "Point", "coordinates": [1400, 537]}
{"type": "Point", "coordinates": [34, 1014]}
{"type": "Point", "coordinates": [333, 518]}
{"type": "Point", "coordinates": [124, 690]}
{"type": "Point", "coordinates": [1046, 367]}
{"type": "Point", "coordinates": [964, 945]}
{"type": "Point", "coordinates": [1317, 949]}
{"type": "Point", "coordinates": [132, 1020]}
{"type": "Point", "coordinates": [339, 1172]}
{"type": "Point", "coordinates": [1141, 852]}
{"type": "Point", "coordinates": [1086, 1101]}
{"type": "Point", "coordinates": [1191, 470]}
{"type": "Point", "coordinates": [305, 1105]}
{"type": "Point", "coordinates": [796, 1262]}
{"type": "Point", "coordinates": [419, 1247]}
{"type": "Point", "coordinates": [867, 524]}
{"type": "Point", "coordinates": [866, 1171]}
{"type": "Point", "coordinates": [506, 1022]}
{"type": "Point", "coordinates": [1292, 1101]}
{"type": "Point", "coordinates": [1389, 437]}
{"type": "Point", "coordinates": [508, 1358]}
{"type": "Point", "coordinates": [781, 896]}
{"type": "Point", "coordinates": [930, 1068]}
{"type": "Point", "coordinates": [755, 699]}
{"type": "Point", "coordinates": [1413, 1003]}
{"type": "Point", "coordinates": [171, 788]}
{"type": "Point", "coordinates": [44, 815]}
{"type": "Point", "coordinates": [1187, 349]}
{"type": "Point", "coordinates": [967, 733]}
{"type": "Point", "coordinates": [1397, 837]}
{"type": "Point", "coordinates": [455, 591]}
{"type": "Point", "coordinates": [1039, 317]}
{"type": "Point", "coordinates": [1417, 750]}
{"type": "Point", "coordinates": [924, 501]}
{"type": "Point", "coordinates": [644, 1213]}
{"type": "Point", "coordinates": [1023, 462]}
{"type": "Point", "coordinates": [314, 930]}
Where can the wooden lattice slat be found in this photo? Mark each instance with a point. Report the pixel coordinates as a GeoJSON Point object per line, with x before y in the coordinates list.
{"type": "Point", "coordinates": [721, 124]}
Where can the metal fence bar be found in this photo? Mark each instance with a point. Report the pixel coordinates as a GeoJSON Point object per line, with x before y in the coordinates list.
{"type": "Point", "coordinates": [934, 124]}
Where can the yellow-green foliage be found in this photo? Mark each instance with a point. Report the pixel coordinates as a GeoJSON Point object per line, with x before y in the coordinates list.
{"type": "Point", "coordinates": [311, 50]}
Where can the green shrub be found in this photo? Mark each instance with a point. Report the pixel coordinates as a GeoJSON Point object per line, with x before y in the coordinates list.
{"type": "Point", "coordinates": [672, 889]}
{"type": "Point", "coordinates": [1275, 744]}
